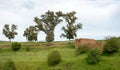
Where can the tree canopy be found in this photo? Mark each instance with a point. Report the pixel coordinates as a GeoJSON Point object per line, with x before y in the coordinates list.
{"type": "Point", "coordinates": [47, 23]}
{"type": "Point", "coordinates": [31, 33]}
{"type": "Point", "coordinates": [71, 29]}
{"type": "Point", "coordinates": [10, 32]}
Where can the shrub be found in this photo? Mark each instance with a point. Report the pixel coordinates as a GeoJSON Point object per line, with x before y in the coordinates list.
{"type": "Point", "coordinates": [54, 58]}
{"type": "Point", "coordinates": [9, 65]}
{"type": "Point", "coordinates": [111, 46]}
{"type": "Point", "coordinates": [93, 56]}
{"type": "Point", "coordinates": [27, 48]}
{"type": "Point", "coordinates": [81, 49]}
{"type": "Point", "coordinates": [16, 46]}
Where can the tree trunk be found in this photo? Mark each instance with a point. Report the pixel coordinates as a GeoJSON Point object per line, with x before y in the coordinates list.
{"type": "Point", "coordinates": [69, 41]}
{"type": "Point", "coordinates": [10, 40]}
{"type": "Point", "coordinates": [49, 44]}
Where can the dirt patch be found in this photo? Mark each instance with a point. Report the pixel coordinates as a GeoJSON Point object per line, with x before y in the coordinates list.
{"type": "Point", "coordinates": [4, 46]}
{"type": "Point", "coordinates": [38, 45]}
{"type": "Point", "coordinates": [90, 42]}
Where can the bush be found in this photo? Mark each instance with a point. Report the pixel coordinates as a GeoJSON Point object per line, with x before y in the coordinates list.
{"type": "Point", "coordinates": [93, 56]}
{"type": "Point", "coordinates": [54, 58]}
{"type": "Point", "coordinates": [28, 48]}
{"type": "Point", "coordinates": [9, 65]}
{"type": "Point", "coordinates": [81, 49]}
{"type": "Point", "coordinates": [16, 46]}
{"type": "Point", "coordinates": [111, 46]}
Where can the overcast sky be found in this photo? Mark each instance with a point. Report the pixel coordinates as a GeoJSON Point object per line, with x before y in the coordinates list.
{"type": "Point", "coordinates": [100, 18]}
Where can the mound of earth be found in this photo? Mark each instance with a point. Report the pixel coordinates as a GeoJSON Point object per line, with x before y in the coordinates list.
{"type": "Point", "coordinates": [91, 43]}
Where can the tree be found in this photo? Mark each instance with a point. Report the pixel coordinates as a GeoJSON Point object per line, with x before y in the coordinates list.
{"type": "Point", "coordinates": [10, 33]}
{"type": "Point", "coordinates": [71, 29]}
{"type": "Point", "coordinates": [47, 23]}
{"type": "Point", "coordinates": [31, 33]}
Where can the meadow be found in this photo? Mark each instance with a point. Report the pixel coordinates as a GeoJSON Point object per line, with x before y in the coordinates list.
{"type": "Point", "coordinates": [36, 58]}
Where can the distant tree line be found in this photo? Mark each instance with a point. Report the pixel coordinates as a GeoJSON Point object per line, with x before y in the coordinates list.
{"type": "Point", "coordinates": [47, 23]}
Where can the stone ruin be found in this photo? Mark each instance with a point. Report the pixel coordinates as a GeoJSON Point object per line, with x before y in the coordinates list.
{"type": "Point", "coordinates": [91, 43]}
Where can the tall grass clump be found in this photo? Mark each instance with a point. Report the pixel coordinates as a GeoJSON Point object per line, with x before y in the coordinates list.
{"type": "Point", "coordinates": [9, 65]}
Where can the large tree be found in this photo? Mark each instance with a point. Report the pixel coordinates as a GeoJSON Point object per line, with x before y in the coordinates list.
{"type": "Point", "coordinates": [47, 23]}
{"type": "Point", "coordinates": [31, 33]}
{"type": "Point", "coordinates": [70, 29]}
{"type": "Point", "coordinates": [10, 32]}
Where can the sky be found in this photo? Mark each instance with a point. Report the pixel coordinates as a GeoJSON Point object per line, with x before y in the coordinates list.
{"type": "Point", "coordinates": [100, 18]}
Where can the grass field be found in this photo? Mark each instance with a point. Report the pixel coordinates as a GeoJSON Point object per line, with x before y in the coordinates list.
{"type": "Point", "coordinates": [36, 59]}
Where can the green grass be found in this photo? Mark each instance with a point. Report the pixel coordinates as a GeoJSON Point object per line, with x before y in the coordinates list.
{"type": "Point", "coordinates": [37, 58]}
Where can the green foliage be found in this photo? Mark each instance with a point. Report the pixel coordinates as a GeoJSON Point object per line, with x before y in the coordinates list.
{"type": "Point", "coordinates": [9, 65]}
{"type": "Point", "coordinates": [54, 58]}
{"type": "Point", "coordinates": [10, 33]}
{"type": "Point", "coordinates": [71, 45]}
{"type": "Point", "coordinates": [16, 46]}
{"type": "Point", "coordinates": [71, 29]}
{"type": "Point", "coordinates": [28, 48]}
{"type": "Point", "coordinates": [93, 56]}
{"type": "Point", "coordinates": [47, 23]}
{"type": "Point", "coordinates": [31, 33]}
{"type": "Point", "coordinates": [112, 45]}
{"type": "Point", "coordinates": [81, 49]}
{"type": "Point", "coordinates": [85, 48]}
